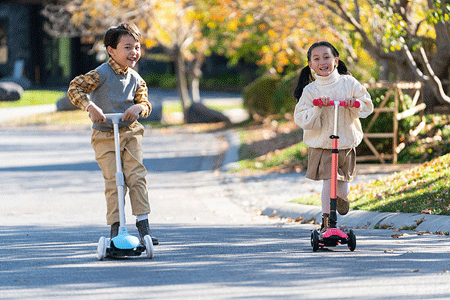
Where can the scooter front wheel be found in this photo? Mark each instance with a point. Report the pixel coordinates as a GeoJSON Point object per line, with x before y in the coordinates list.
{"type": "Point", "coordinates": [148, 246]}
{"type": "Point", "coordinates": [351, 240]}
{"type": "Point", "coordinates": [101, 248]}
{"type": "Point", "coordinates": [315, 240]}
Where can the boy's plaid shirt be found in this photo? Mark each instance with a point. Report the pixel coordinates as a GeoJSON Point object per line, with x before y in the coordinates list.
{"type": "Point", "coordinates": [82, 85]}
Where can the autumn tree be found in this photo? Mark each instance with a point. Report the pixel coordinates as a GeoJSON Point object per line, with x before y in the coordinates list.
{"type": "Point", "coordinates": [170, 24]}
{"type": "Point", "coordinates": [275, 34]}
{"type": "Point", "coordinates": [410, 38]}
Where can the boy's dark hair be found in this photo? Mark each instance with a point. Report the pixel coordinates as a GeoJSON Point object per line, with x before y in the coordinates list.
{"type": "Point", "coordinates": [306, 76]}
{"type": "Point", "coordinates": [113, 35]}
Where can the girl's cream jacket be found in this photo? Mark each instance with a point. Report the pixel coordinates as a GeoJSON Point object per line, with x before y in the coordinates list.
{"type": "Point", "coordinates": [317, 122]}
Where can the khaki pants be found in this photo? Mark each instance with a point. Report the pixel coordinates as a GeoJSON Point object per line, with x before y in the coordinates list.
{"type": "Point", "coordinates": [132, 168]}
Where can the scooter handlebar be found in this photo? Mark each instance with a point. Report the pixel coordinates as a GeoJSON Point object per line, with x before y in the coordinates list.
{"type": "Point", "coordinates": [115, 118]}
{"type": "Point", "coordinates": [319, 102]}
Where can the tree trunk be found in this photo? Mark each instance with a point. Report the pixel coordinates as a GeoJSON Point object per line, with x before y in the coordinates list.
{"type": "Point", "coordinates": [195, 73]}
{"type": "Point", "coordinates": [182, 86]}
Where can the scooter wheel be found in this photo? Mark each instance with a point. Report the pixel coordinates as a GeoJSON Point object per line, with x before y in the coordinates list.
{"type": "Point", "coordinates": [101, 248]}
{"type": "Point", "coordinates": [148, 246]}
{"type": "Point", "coordinates": [315, 240]}
{"type": "Point", "coordinates": [351, 240]}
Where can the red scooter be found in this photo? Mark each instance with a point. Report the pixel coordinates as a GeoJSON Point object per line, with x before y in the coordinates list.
{"type": "Point", "coordinates": [333, 236]}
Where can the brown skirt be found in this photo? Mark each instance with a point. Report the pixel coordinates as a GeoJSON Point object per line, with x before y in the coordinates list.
{"type": "Point", "coordinates": [319, 164]}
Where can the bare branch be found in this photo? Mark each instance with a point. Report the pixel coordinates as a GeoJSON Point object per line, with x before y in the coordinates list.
{"type": "Point", "coordinates": [434, 81]}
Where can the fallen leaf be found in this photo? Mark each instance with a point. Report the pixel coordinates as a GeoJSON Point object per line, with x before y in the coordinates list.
{"type": "Point", "coordinates": [299, 219]}
{"type": "Point", "coordinates": [418, 222]}
{"type": "Point", "coordinates": [427, 211]}
{"type": "Point", "coordinates": [396, 236]}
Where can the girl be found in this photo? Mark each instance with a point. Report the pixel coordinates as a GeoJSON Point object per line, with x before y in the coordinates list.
{"type": "Point", "coordinates": [330, 80]}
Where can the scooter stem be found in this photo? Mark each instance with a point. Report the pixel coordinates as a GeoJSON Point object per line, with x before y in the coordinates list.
{"type": "Point", "coordinates": [120, 181]}
{"type": "Point", "coordinates": [334, 164]}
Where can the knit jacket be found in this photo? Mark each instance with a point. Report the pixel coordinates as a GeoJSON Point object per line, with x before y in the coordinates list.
{"type": "Point", "coordinates": [318, 122]}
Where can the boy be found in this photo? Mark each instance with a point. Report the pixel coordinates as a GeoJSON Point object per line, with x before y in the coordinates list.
{"type": "Point", "coordinates": [114, 87]}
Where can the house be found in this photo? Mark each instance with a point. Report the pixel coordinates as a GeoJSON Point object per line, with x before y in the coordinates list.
{"type": "Point", "coordinates": [47, 61]}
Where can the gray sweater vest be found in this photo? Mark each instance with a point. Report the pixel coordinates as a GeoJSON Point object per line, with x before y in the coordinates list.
{"type": "Point", "coordinates": [114, 93]}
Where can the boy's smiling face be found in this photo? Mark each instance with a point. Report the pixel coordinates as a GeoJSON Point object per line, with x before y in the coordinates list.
{"type": "Point", "coordinates": [127, 52]}
{"type": "Point", "coordinates": [322, 61]}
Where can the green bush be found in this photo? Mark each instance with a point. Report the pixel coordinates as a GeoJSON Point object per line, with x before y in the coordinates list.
{"type": "Point", "coordinates": [224, 79]}
{"type": "Point", "coordinates": [168, 81]}
{"type": "Point", "coordinates": [152, 79]}
{"type": "Point", "coordinates": [163, 80]}
{"type": "Point", "coordinates": [259, 95]}
{"type": "Point", "coordinates": [283, 98]}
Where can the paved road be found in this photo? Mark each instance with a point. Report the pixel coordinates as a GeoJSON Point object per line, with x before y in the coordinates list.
{"type": "Point", "coordinates": [212, 245]}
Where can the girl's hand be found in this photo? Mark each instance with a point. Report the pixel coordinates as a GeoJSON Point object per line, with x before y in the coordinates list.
{"type": "Point", "coordinates": [132, 113]}
{"type": "Point", "coordinates": [350, 101]}
{"type": "Point", "coordinates": [325, 100]}
{"type": "Point", "coordinates": [97, 115]}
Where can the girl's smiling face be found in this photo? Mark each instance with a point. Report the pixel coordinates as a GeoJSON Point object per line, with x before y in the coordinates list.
{"type": "Point", "coordinates": [127, 52]}
{"type": "Point", "coordinates": [322, 61]}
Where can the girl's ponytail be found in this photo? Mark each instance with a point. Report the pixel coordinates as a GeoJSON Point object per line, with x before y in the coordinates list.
{"type": "Point", "coordinates": [342, 68]}
{"type": "Point", "coordinates": [303, 80]}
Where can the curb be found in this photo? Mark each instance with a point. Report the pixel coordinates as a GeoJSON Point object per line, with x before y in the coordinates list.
{"type": "Point", "coordinates": [365, 219]}
{"type": "Point", "coordinates": [354, 219]}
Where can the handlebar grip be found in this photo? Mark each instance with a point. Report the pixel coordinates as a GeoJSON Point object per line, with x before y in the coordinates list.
{"type": "Point", "coordinates": [318, 102]}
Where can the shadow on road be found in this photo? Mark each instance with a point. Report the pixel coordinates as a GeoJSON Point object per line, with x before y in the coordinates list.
{"type": "Point", "coordinates": [156, 165]}
{"type": "Point", "coordinates": [231, 256]}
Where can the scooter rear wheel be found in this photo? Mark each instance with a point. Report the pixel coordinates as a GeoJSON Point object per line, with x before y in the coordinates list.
{"type": "Point", "coordinates": [315, 240]}
{"type": "Point", "coordinates": [351, 240]}
{"type": "Point", "coordinates": [148, 246]}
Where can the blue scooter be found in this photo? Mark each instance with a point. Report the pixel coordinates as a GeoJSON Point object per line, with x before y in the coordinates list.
{"type": "Point", "coordinates": [124, 244]}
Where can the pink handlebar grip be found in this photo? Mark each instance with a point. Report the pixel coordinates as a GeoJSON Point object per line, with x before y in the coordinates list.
{"type": "Point", "coordinates": [318, 102]}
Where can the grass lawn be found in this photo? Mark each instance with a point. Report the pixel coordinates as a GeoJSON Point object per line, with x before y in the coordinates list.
{"type": "Point", "coordinates": [34, 97]}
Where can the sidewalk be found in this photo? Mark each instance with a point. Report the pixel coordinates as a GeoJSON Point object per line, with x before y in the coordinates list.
{"type": "Point", "coordinates": [12, 113]}
{"type": "Point", "coordinates": [277, 188]}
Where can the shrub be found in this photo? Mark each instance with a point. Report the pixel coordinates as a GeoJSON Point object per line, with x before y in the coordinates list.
{"type": "Point", "coordinates": [168, 81]}
{"type": "Point", "coordinates": [258, 96]}
{"type": "Point", "coordinates": [283, 99]}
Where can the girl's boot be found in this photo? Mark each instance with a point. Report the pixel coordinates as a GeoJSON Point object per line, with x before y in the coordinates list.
{"type": "Point", "coordinates": [342, 205]}
{"type": "Point", "coordinates": [325, 222]}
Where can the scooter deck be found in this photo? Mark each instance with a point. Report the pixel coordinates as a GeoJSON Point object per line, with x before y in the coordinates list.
{"type": "Point", "coordinates": [333, 237]}
{"type": "Point", "coordinates": [113, 251]}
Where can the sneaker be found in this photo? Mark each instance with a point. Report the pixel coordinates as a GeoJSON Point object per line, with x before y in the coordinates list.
{"type": "Point", "coordinates": [325, 223]}
{"type": "Point", "coordinates": [144, 229]}
{"type": "Point", "coordinates": [115, 229]}
{"type": "Point", "coordinates": [342, 206]}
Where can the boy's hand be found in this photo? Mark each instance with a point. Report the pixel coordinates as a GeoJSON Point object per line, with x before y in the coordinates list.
{"type": "Point", "coordinates": [132, 113]}
{"type": "Point", "coordinates": [97, 115]}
